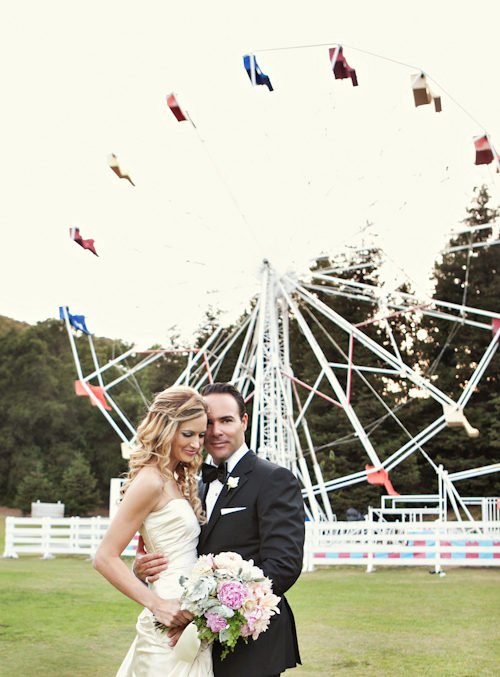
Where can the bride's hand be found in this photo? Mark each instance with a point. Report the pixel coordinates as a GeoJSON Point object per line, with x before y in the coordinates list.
{"type": "Point", "coordinates": [169, 612]}
{"type": "Point", "coordinates": [147, 566]}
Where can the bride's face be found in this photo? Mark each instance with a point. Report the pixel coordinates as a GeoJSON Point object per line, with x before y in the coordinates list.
{"type": "Point", "coordinates": [188, 441]}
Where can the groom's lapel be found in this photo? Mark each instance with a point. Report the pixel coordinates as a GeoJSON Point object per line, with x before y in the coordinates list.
{"type": "Point", "coordinates": [226, 496]}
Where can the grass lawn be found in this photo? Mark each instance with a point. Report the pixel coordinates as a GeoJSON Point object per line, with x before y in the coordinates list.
{"type": "Point", "coordinates": [61, 618]}
{"type": "Point", "coordinates": [398, 622]}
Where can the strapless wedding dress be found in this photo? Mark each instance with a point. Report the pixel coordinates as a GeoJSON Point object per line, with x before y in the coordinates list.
{"type": "Point", "coordinates": [173, 530]}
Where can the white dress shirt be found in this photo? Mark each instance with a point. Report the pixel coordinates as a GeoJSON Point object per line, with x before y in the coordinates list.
{"type": "Point", "coordinates": [215, 487]}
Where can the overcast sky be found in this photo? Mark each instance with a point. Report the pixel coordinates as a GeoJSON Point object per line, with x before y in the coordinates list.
{"type": "Point", "coordinates": [286, 175]}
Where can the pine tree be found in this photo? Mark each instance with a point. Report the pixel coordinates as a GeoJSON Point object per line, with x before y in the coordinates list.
{"type": "Point", "coordinates": [78, 488]}
{"type": "Point", "coordinates": [451, 351]}
{"type": "Point", "coordinates": [35, 487]}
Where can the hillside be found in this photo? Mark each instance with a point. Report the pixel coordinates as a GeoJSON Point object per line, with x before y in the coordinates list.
{"type": "Point", "coordinates": [7, 323]}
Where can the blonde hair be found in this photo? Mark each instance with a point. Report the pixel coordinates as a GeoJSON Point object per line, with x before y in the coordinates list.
{"type": "Point", "coordinates": [155, 433]}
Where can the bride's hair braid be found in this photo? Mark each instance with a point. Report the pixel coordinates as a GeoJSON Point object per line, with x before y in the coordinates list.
{"type": "Point", "coordinates": [155, 433]}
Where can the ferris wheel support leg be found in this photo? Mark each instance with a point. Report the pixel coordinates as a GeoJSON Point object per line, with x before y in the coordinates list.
{"type": "Point", "coordinates": [308, 487]}
{"type": "Point", "coordinates": [306, 478]}
{"type": "Point", "coordinates": [321, 483]}
{"type": "Point", "coordinates": [318, 474]}
{"type": "Point", "coordinates": [452, 491]}
{"type": "Point", "coordinates": [317, 470]}
{"type": "Point", "coordinates": [454, 496]}
{"type": "Point", "coordinates": [317, 512]}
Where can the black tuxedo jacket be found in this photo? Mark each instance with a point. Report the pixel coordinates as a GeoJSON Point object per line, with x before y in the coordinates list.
{"type": "Point", "coordinates": [270, 530]}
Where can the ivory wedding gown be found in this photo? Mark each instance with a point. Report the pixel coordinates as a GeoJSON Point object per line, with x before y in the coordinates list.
{"type": "Point", "coordinates": [173, 530]}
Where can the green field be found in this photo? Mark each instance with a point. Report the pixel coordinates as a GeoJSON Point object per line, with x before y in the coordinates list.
{"type": "Point", "coordinates": [60, 617]}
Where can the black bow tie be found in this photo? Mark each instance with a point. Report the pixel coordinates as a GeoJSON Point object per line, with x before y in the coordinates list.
{"type": "Point", "coordinates": [209, 473]}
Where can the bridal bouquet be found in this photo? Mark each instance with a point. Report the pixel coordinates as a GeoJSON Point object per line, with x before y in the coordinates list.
{"type": "Point", "coordinates": [229, 598]}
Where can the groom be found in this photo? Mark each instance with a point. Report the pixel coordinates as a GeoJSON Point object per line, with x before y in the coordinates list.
{"type": "Point", "coordinates": [258, 514]}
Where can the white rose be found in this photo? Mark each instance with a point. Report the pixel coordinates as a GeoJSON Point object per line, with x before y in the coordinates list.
{"type": "Point", "coordinates": [228, 560]}
{"type": "Point", "coordinates": [203, 566]}
{"type": "Point", "coordinates": [232, 482]}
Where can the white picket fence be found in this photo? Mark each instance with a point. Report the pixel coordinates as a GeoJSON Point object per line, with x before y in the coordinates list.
{"type": "Point", "coordinates": [366, 543]}
{"type": "Point", "coordinates": [433, 544]}
{"type": "Point", "coordinates": [50, 536]}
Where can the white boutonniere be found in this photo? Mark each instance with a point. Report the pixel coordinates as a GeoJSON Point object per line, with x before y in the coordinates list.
{"type": "Point", "coordinates": [232, 483]}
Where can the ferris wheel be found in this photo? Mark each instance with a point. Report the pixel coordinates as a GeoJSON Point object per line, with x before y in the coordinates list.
{"type": "Point", "coordinates": [265, 372]}
{"type": "Point", "coordinates": [281, 399]}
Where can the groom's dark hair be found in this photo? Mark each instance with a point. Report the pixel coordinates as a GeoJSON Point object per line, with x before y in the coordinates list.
{"type": "Point", "coordinates": [225, 389]}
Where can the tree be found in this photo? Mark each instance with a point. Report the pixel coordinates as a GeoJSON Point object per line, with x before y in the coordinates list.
{"type": "Point", "coordinates": [41, 419]}
{"type": "Point", "coordinates": [78, 488]}
{"type": "Point", "coordinates": [451, 351]}
{"type": "Point", "coordinates": [34, 487]}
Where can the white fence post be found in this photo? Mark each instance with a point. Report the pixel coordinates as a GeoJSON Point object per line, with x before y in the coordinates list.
{"type": "Point", "coordinates": [74, 543]}
{"type": "Point", "coordinates": [46, 534]}
{"type": "Point", "coordinates": [370, 567]}
{"type": "Point", "coordinates": [95, 535]}
{"type": "Point", "coordinates": [308, 548]}
{"type": "Point", "coordinates": [437, 565]}
{"type": "Point", "coordinates": [9, 539]}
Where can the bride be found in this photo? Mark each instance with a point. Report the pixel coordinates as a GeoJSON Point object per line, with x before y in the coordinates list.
{"type": "Point", "coordinates": [160, 500]}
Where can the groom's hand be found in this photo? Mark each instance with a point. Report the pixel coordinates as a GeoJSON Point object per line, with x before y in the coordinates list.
{"type": "Point", "coordinates": [174, 635]}
{"type": "Point", "coordinates": [148, 566]}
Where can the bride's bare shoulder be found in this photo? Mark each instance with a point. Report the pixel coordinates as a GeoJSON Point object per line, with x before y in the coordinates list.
{"type": "Point", "coordinates": [149, 478]}
{"type": "Point", "coordinates": [149, 481]}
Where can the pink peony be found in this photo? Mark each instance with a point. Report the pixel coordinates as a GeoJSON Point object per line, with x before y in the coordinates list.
{"type": "Point", "coordinates": [245, 630]}
{"type": "Point", "coordinates": [261, 588]}
{"type": "Point", "coordinates": [232, 594]}
{"type": "Point", "coordinates": [215, 622]}
{"type": "Point", "coordinates": [255, 626]}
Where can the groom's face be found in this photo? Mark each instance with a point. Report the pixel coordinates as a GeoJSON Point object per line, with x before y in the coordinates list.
{"type": "Point", "coordinates": [225, 430]}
